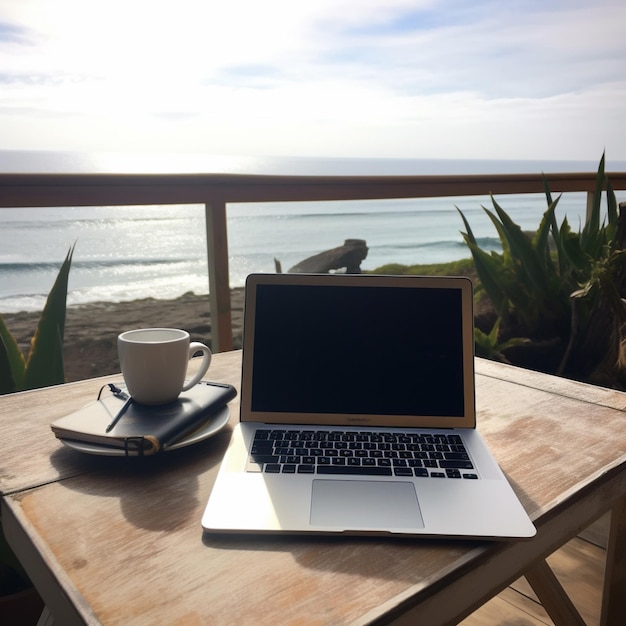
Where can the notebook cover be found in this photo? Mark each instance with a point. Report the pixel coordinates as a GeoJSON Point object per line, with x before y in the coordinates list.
{"type": "Point", "coordinates": [144, 429]}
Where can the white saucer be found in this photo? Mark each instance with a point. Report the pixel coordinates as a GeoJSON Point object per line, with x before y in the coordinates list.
{"type": "Point", "coordinates": [211, 427]}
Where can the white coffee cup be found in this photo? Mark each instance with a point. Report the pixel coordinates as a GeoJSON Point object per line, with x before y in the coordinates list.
{"type": "Point", "coordinates": [154, 363]}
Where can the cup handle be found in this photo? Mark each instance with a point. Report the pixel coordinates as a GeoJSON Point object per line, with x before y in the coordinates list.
{"type": "Point", "coordinates": [194, 347]}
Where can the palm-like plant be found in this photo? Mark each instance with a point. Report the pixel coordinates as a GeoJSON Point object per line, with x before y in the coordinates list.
{"type": "Point", "coordinates": [552, 284]}
{"type": "Point", "coordinates": [43, 366]}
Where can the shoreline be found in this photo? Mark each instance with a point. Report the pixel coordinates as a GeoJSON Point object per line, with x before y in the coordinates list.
{"type": "Point", "coordinates": [91, 330]}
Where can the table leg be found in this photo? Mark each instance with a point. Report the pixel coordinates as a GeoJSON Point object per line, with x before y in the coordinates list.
{"type": "Point", "coordinates": [613, 598]}
{"type": "Point", "coordinates": [552, 595]}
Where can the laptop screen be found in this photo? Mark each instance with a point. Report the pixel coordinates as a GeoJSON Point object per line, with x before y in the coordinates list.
{"type": "Point", "coordinates": [358, 349]}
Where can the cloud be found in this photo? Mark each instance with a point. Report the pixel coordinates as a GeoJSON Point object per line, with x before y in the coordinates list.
{"type": "Point", "coordinates": [392, 77]}
{"type": "Point", "coordinates": [497, 51]}
{"type": "Point", "coordinates": [13, 34]}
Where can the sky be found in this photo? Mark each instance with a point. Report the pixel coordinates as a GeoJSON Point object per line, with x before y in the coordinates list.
{"type": "Point", "coordinates": [518, 79]}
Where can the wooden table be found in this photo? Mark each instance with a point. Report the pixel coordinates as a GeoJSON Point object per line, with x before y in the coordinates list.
{"type": "Point", "coordinates": [119, 541]}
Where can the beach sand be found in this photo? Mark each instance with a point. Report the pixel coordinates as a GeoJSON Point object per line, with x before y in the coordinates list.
{"type": "Point", "coordinates": [90, 345]}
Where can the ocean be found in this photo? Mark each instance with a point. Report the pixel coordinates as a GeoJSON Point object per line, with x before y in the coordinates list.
{"type": "Point", "coordinates": [127, 253]}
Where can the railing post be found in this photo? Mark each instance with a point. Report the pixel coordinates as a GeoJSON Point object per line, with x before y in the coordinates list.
{"type": "Point", "coordinates": [219, 280]}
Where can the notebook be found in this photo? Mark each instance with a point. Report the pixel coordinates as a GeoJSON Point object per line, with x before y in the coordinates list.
{"type": "Point", "coordinates": [114, 421]}
{"type": "Point", "coordinates": [358, 414]}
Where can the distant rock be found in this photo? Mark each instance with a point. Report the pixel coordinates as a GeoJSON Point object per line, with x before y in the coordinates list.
{"type": "Point", "coordinates": [347, 257]}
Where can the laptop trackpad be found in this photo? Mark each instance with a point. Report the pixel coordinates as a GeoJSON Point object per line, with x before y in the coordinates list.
{"type": "Point", "coordinates": [353, 504]}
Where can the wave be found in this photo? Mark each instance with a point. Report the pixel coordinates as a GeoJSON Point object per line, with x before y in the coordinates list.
{"type": "Point", "coordinates": [378, 214]}
{"type": "Point", "coordinates": [17, 267]}
{"type": "Point", "coordinates": [35, 297]}
{"type": "Point", "coordinates": [486, 243]}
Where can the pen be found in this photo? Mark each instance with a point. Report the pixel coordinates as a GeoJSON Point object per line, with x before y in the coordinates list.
{"type": "Point", "coordinates": [121, 412]}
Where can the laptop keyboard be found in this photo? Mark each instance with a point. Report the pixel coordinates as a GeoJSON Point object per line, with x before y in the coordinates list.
{"type": "Point", "coordinates": [365, 453]}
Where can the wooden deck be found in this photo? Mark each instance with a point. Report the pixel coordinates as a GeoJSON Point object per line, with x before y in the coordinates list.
{"type": "Point", "coordinates": [579, 566]}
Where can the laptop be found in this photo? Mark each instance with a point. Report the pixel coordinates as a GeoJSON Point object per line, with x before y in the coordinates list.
{"type": "Point", "coordinates": [358, 414]}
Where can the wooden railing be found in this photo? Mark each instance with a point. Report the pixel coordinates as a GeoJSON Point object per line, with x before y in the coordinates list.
{"type": "Point", "coordinates": [215, 191]}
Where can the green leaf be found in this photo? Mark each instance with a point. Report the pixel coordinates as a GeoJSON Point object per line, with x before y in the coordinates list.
{"type": "Point", "coordinates": [44, 365]}
{"type": "Point", "coordinates": [579, 261]}
{"type": "Point", "coordinates": [612, 212]}
{"type": "Point", "coordinates": [546, 188]}
{"type": "Point", "coordinates": [513, 342]}
{"type": "Point", "coordinates": [541, 240]}
{"type": "Point", "coordinates": [523, 250]}
{"type": "Point", "coordinates": [490, 273]}
{"type": "Point", "coordinates": [12, 363]}
{"type": "Point", "coordinates": [506, 248]}
{"type": "Point", "coordinates": [562, 260]}
{"type": "Point", "coordinates": [589, 236]}
{"type": "Point", "coordinates": [7, 382]}
{"type": "Point", "coordinates": [486, 345]}
{"type": "Point", "coordinates": [468, 235]}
